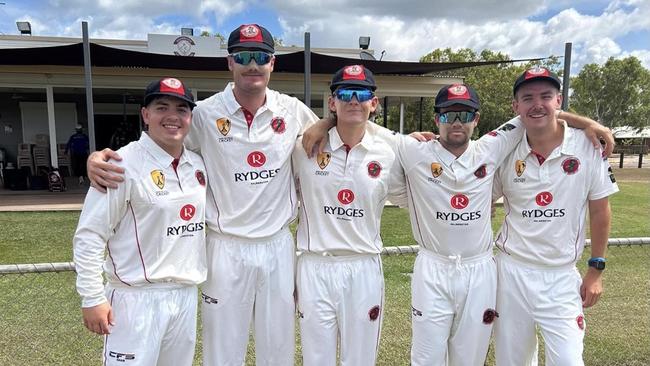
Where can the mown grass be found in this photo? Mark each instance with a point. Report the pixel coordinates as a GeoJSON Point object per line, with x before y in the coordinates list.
{"type": "Point", "coordinates": [40, 322]}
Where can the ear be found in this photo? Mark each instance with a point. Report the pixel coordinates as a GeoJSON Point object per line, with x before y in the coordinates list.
{"type": "Point", "coordinates": [272, 63]}
{"type": "Point", "coordinates": [144, 112]}
{"type": "Point", "coordinates": [515, 105]}
{"type": "Point", "coordinates": [331, 103]}
{"type": "Point", "coordinates": [477, 118]}
{"type": "Point", "coordinates": [373, 104]}
{"type": "Point", "coordinates": [436, 119]}
{"type": "Point", "coordinates": [230, 62]}
{"type": "Point", "coordinates": [559, 98]}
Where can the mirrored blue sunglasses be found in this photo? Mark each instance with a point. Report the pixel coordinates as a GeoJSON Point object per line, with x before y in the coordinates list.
{"type": "Point", "coordinates": [451, 117]}
{"type": "Point", "coordinates": [245, 57]}
{"type": "Point", "coordinates": [345, 95]}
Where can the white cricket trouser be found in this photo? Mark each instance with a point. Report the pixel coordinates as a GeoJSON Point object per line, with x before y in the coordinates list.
{"type": "Point", "coordinates": [454, 301]}
{"type": "Point", "coordinates": [340, 295]}
{"type": "Point", "coordinates": [249, 280]}
{"type": "Point", "coordinates": [548, 297]}
{"type": "Point", "coordinates": [154, 325]}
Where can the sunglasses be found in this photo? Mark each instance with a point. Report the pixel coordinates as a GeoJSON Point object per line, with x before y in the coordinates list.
{"type": "Point", "coordinates": [245, 57]}
{"type": "Point", "coordinates": [345, 95]}
{"type": "Point", "coordinates": [451, 117]}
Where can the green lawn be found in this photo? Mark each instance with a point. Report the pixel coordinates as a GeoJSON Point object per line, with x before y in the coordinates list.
{"type": "Point", "coordinates": [41, 323]}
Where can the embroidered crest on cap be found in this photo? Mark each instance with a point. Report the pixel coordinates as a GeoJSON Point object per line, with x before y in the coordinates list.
{"type": "Point", "coordinates": [158, 178]}
{"type": "Point", "coordinates": [535, 72]}
{"type": "Point", "coordinates": [172, 83]}
{"type": "Point", "coordinates": [249, 31]}
{"type": "Point", "coordinates": [323, 159]}
{"type": "Point", "coordinates": [458, 91]}
{"type": "Point", "coordinates": [354, 72]}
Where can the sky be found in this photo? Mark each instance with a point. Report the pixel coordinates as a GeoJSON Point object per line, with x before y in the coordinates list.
{"type": "Point", "coordinates": [405, 30]}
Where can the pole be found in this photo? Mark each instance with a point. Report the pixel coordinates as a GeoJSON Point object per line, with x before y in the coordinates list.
{"type": "Point", "coordinates": [567, 76]}
{"type": "Point", "coordinates": [307, 69]}
{"type": "Point", "coordinates": [89, 87]}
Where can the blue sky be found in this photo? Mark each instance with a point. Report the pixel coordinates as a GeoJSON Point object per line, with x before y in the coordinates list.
{"type": "Point", "coordinates": [405, 29]}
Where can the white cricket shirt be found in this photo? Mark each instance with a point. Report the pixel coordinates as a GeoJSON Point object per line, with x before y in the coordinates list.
{"type": "Point", "coordinates": [546, 205]}
{"type": "Point", "coordinates": [252, 193]}
{"type": "Point", "coordinates": [342, 193]}
{"type": "Point", "coordinates": [449, 198]}
{"type": "Point", "coordinates": [152, 226]}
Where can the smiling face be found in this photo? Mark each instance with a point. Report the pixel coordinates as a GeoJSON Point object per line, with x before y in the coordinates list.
{"type": "Point", "coordinates": [352, 112]}
{"type": "Point", "coordinates": [455, 135]}
{"type": "Point", "coordinates": [251, 78]}
{"type": "Point", "coordinates": [536, 103]}
{"type": "Point", "coordinates": [168, 122]}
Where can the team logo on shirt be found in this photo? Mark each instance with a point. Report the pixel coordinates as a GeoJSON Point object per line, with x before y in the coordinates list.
{"type": "Point", "coordinates": [187, 212]}
{"type": "Point", "coordinates": [520, 167]}
{"type": "Point", "coordinates": [481, 172]}
{"type": "Point", "coordinates": [611, 174]}
{"type": "Point", "coordinates": [436, 169]}
{"type": "Point", "coordinates": [345, 196]}
{"type": "Point", "coordinates": [492, 133]}
{"type": "Point", "coordinates": [507, 127]}
{"type": "Point", "coordinates": [278, 125]}
{"type": "Point", "coordinates": [374, 169]}
{"type": "Point", "coordinates": [570, 165]}
{"type": "Point", "coordinates": [256, 159]}
{"type": "Point", "coordinates": [158, 178]}
{"type": "Point", "coordinates": [323, 159]}
{"type": "Point", "coordinates": [459, 201]}
{"type": "Point", "coordinates": [200, 177]}
{"type": "Point", "coordinates": [544, 199]}
{"type": "Point", "coordinates": [374, 312]}
{"type": "Point", "coordinates": [121, 357]}
{"type": "Point", "coordinates": [489, 315]}
{"type": "Point", "coordinates": [415, 311]}
{"type": "Point", "coordinates": [223, 125]}
{"type": "Point", "coordinates": [580, 320]}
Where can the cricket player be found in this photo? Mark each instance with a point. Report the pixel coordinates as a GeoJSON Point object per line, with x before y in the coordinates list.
{"type": "Point", "coordinates": [153, 229]}
{"type": "Point", "coordinates": [343, 190]}
{"type": "Point", "coordinates": [550, 182]}
{"type": "Point", "coordinates": [449, 189]}
{"type": "Point", "coordinates": [246, 135]}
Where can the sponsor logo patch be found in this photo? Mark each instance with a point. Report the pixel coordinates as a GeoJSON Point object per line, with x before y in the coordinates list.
{"type": "Point", "coordinates": [208, 300]}
{"type": "Point", "coordinates": [345, 196]}
{"type": "Point", "coordinates": [492, 133]}
{"type": "Point", "coordinates": [436, 169]}
{"type": "Point", "coordinates": [187, 212]}
{"type": "Point", "coordinates": [223, 125]}
{"type": "Point", "coordinates": [570, 165]}
{"type": "Point", "coordinates": [323, 159]}
{"type": "Point", "coordinates": [158, 178]}
{"type": "Point", "coordinates": [489, 315]}
{"type": "Point", "coordinates": [415, 311]}
{"type": "Point", "coordinates": [121, 357]}
{"type": "Point", "coordinates": [459, 201]}
{"type": "Point", "coordinates": [611, 175]}
{"type": "Point", "coordinates": [256, 159]}
{"type": "Point", "coordinates": [353, 72]}
{"type": "Point", "coordinates": [580, 320]}
{"type": "Point", "coordinates": [278, 125]}
{"type": "Point", "coordinates": [249, 31]}
{"type": "Point", "coordinates": [520, 167]}
{"type": "Point", "coordinates": [374, 169]}
{"type": "Point", "coordinates": [373, 313]}
{"type": "Point", "coordinates": [507, 127]}
{"type": "Point", "coordinates": [544, 199]}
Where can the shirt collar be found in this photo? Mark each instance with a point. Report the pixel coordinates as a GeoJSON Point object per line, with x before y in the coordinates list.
{"type": "Point", "coordinates": [336, 143]}
{"type": "Point", "coordinates": [568, 146]}
{"type": "Point", "coordinates": [160, 155]}
{"type": "Point", "coordinates": [448, 158]}
{"type": "Point", "coordinates": [232, 106]}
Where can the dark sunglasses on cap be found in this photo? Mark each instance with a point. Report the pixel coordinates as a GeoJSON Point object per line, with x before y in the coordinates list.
{"type": "Point", "coordinates": [451, 117]}
{"type": "Point", "coordinates": [245, 57]}
{"type": "Point", "coordinates": [345, 95]}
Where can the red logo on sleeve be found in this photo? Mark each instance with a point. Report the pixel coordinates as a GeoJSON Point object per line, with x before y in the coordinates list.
{"type": "Point", "coordinates": [278, 125]}
{"type": "Point", "coordinates": [346, 196]}
{"type": "Point", "coordinates": [374, 169]}
{"type": "Point", "coordinates": [187, 212]}
{"type": "Point", "coordinates": [256, 159]}
{"type": "Point", "coordinates": [459, 201]}
{"type": "Point", "coordinates": [544, 199]}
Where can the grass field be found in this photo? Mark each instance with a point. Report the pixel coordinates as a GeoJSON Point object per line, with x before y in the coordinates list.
{"type": "Point", "coordinates": [40, 320]}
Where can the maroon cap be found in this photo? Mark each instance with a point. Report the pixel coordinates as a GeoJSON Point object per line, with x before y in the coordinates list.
{"type": "Point", "coordinates": [353, 75]}
{"type": "Point", "coordinates": [457, 94]}
{"type": "Point", "coordinates": [168, 87]}
{"type": "Point", "coordinates": [251, 37]}
{"type": "Point", "coordinates": [536, 73]}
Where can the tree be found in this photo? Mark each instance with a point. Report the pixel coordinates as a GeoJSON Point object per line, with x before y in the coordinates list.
{"type": "Point", "coordinates": [217, 35]}
{"type": "Point", "coordinates": [616, 93]}
{"type": "Point", "coordinates": [493, 84]}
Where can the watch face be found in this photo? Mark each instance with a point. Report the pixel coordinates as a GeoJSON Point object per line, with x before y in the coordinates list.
{"type": "Point", "coordinates": [600, 265]}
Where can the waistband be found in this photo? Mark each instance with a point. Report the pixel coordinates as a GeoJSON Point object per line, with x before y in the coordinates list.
{"type": "Point", "coordinates": [156, 286]}
{"type": "Point", "coordinates": [213, 235]}
{"type": "Point", "coordinates": [455, 260]}
{"type": "Point", "coordinates": [316, 257]}
{"type": "Point", "coordinates": [518, 262]}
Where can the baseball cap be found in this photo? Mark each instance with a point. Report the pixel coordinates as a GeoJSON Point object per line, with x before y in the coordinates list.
{"type": "Point", "coordinates": [251, 36]}
{"type": "Point", "coordinates": [353, 75]}
{"type": "Point", "coordinates": [171, 87]}
{"type": "Point", "coordinates": [457, 94]}
{"type": "Point", "coordinates": [536, 73]}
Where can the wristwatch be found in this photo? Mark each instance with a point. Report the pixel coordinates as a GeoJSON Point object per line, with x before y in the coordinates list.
{"type": "Point", "coordinates": [597, 263]}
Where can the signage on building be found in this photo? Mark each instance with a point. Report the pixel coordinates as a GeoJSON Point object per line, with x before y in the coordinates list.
{"type": "Point", "coordinates": [185, 45]}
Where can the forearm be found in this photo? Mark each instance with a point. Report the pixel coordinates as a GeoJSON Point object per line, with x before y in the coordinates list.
{"type": "Point", "coordinates": [599, 221]}
{"type": "Point", "coordinates": [575, 120]}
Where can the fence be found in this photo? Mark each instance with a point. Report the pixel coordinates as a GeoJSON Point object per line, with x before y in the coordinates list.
{"type": "Point", "coordinates": [40, 318]}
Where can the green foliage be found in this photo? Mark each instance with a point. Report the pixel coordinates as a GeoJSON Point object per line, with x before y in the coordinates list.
{"type": "Point", "coordinates": [493, 84]}
{"type": "Point", "coordinates": [616, 93]}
